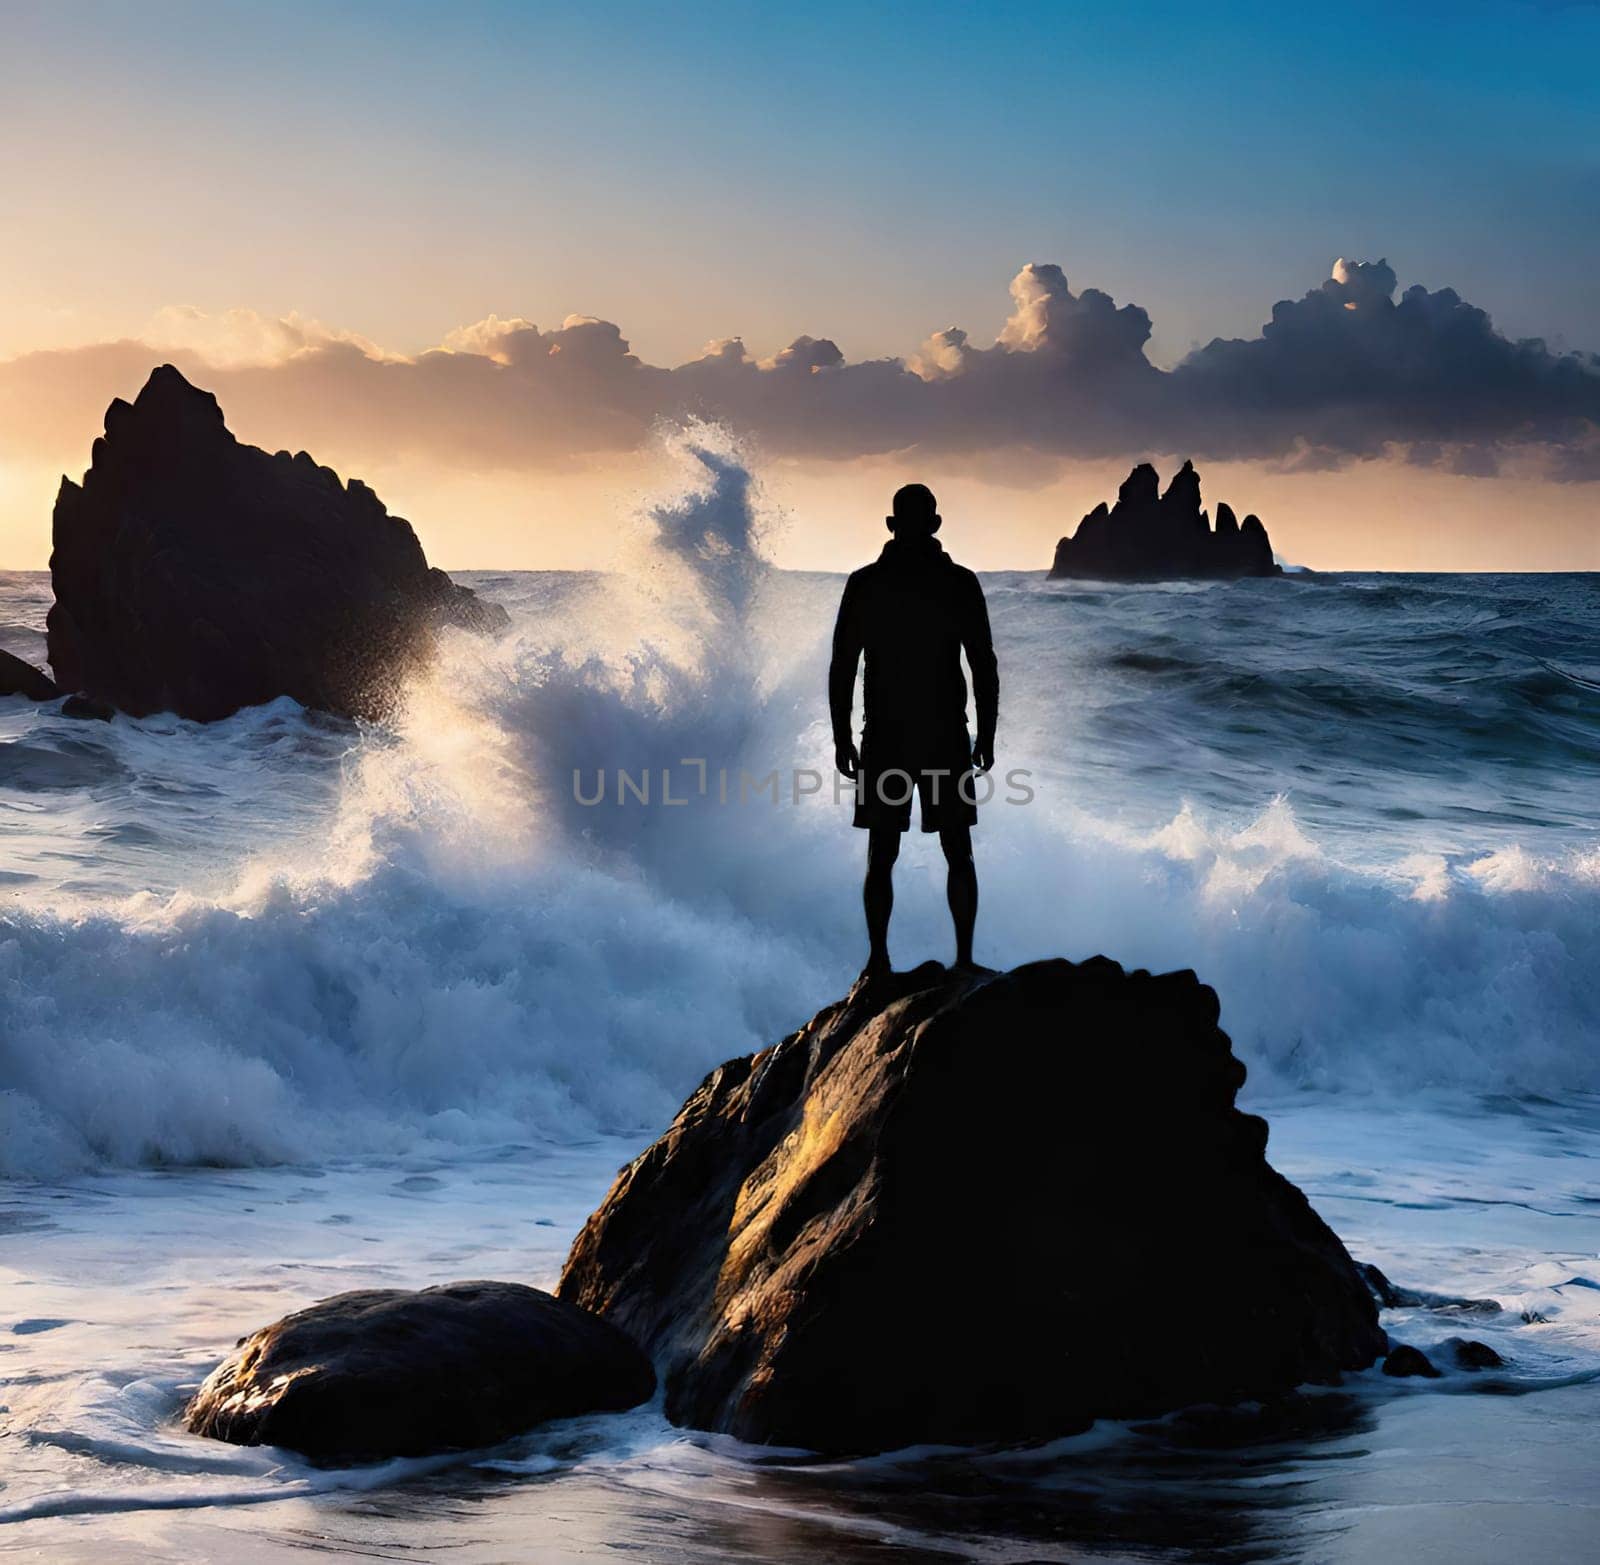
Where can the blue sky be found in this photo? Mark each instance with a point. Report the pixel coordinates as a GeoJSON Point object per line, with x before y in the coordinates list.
{"type": "Point", "coordinates": [872, 173]}
{"type": "Point", "coordinates": [268, 188]}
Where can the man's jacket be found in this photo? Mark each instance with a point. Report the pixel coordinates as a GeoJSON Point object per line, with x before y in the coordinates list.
{"type": "Point", "coordinates": [911, 613]}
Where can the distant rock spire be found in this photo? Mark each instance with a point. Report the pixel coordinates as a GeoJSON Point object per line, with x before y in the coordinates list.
{"type": "Point", "coordinates": [1150, 536]}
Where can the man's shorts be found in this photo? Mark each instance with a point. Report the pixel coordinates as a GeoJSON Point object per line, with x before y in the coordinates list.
{"type": "Point", "coordinates": [944, 785]}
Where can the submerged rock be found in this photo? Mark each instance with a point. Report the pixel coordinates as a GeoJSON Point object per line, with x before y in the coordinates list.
{"type": "Point", "coordinates": [1385, 1292]}
{"type": "Point", "coordinates": [1148, 536]}
{"type": "Point", "coordinates": [20, 678]}
{"type": "Point", "coordinates": [1391, 1296]}
{"type": "Point", "coordinates": [1471, 1354]}
{"type": "Point", "coordinates": [197, 575]}
{"type": "Point", "coordinates": [973, 1208]}
{"type": "Point", "coordinates": [1404, 1360]}
{"type": "Point", "coordinates": [385, 1372]}
{"type": "Point", "coordinates": [88, 708]}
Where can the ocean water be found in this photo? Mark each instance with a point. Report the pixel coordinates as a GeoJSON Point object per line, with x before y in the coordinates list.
{"type": "Point", "coordinates": [290, 1005]}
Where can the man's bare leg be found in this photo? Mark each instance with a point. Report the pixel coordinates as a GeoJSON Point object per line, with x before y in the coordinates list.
{"type": "Point", "coordinates": [877, 895]}
{"type": "Point", "coordinates": [961, 888]}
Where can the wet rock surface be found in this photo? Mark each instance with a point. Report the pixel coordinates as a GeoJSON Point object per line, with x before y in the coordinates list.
{"type": "Point", "coordinates": [1404, 1360]}
{"type": "Point", "coordinates": [788, 1250]}
{"type": "Point", "coordinates": [21, 678]}
{"type": "Point", "coordinates": [385, 1372]}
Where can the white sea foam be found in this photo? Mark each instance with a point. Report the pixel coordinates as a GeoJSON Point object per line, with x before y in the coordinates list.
{"type": "Point", "coordinates": [458, 951]}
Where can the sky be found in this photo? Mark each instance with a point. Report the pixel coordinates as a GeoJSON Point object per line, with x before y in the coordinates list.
{"type": "Point", "coordinates": [478, 253]}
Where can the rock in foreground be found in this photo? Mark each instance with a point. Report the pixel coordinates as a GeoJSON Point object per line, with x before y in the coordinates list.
{"type": "Point", "coordinates": [1149, 536]}
{"type": "Point", "coordinates": [385, 1372]}
{"type": "Point", "coordinates": [967, 1209]}
{"type": "Point", "coordinates": [198, 575]}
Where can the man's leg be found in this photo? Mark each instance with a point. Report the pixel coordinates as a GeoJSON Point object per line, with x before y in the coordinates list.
{"type": "Point", "coordinates": [961, 887]}
{"type": "Point", "coordinates": [877, 895]}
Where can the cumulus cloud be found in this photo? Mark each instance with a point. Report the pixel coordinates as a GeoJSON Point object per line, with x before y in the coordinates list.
{"type": "Point", "coordinates": [942, 356]}
{"type": "Point", "coordinates": [239, 337]}
{"type": "Point", "coordinates": [486, 337]}
{"type": "Point", "coordinates": [1087, 328]}
{"type": "Point", "coordinates": [1348, 371]}
{"type": "Point", "coordinates": [1352, 371]}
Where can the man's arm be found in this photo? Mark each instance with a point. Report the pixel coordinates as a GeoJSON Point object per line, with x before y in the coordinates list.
{"type": "Point", "coordinates": [847, 644]}
{"type": "Point", "coordinates": [978, 643]}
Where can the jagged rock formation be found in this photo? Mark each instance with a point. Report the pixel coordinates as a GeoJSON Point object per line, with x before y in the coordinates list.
{"type": "Point", "coordinates": [383, 1372]}
{"type": "Point", "coordinates": [20, 678]}
{"type": "Point", "coordinates": [1149, 536]}
{"type": "Point", "coordinates": [968, 1209]}
{"type": "Point", "coordinates": [198, 575]}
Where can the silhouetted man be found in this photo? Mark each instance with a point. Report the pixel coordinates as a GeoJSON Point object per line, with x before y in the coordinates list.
{"type": "Point", "coordinates": [912, 612]}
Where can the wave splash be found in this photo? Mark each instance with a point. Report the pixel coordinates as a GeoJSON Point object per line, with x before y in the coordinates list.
{"type": "Point", "coordinates": [473, 955]}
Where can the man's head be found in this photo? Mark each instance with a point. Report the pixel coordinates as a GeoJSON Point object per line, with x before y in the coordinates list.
{"type": "Point", "coordinates": [916, 512]}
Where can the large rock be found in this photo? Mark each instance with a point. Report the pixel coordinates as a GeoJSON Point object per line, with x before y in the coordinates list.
{"type": "Point", "coordinates": [21, 678]}
{"type": "Point", "coordinates": [370, 1375]}
{"type": "Point", "coordinates": [1149, 536]}
{"type": "Point", "coordinates": [969, 1209]}
{"type": "Point", "coordinates": [198, 575]}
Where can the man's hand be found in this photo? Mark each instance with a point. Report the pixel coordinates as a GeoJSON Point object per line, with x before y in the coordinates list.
{"type": "Point", "coordinates": [983, 755]}
{"type": "Point", "coordinates": [846, 758]}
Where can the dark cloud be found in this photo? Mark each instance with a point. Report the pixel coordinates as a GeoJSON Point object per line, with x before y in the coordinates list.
{"type": "Point", "coordinates": [1351, 371]}
{"type": "Point", "coordinates": [1346, 372]}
